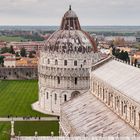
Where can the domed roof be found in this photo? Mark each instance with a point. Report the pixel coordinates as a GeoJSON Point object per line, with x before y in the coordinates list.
{"type": "Point", "coordinates": [70, 21]}
{"type": "Point", "coordinates": [70, 38]}
{"type": "Point", "coordinates": [70, 13]}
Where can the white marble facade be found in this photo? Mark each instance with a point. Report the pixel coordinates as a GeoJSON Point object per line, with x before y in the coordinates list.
{"type": "Point", "coordinates": [64, 65]}
{"type": "Point", "coordinates": [117, 85]}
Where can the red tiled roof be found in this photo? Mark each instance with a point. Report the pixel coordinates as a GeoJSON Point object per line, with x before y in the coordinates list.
{"type": "Point", "coordinates": [6, 54]}
{"type": "Point", "coordinates": [9, 59]}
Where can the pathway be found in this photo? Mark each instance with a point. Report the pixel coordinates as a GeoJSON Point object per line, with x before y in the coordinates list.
{"type": "Point", "coordinates": [2, 119]}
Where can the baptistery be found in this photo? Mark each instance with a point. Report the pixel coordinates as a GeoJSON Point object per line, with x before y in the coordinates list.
{"type": "Point", "coordinates": [64, 65]}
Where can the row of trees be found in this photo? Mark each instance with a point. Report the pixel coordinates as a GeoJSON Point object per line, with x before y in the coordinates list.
{"type": "Point", "coordinates": [22, 53]}
{"type": "Point", "coordinates": [9, 50]}
{"type": "Point", "coordinates": [123, 55]}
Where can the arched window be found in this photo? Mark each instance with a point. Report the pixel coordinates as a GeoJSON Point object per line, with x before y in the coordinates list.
{"type": "Point", "coordinates": [122, 108]}
{"type": "Point", "coordinates": [76, 80]}
{"type": "Point", "coordinates": [65, 97]}
{"type": "Point", "coordinates": [48, 61]}
{"type": "Point", "coordinates": [58, 80]}
{"type": "Point", "coordinates": [103, 94]}
{"type": "Point", "coordinates": [47, 95]}
{"type": "Point", "coordinates": [55, 97]}
{"type": "Point", "coordinates": [65, 62]}
{"type": "Point", "coordinates": [56, 62]}
{"type": "Point", "coordinates": [139, 119]}
{"type": "Point", "coordinates": [75, 63]}
{"type": "Point", "coordinates": [84, 62]}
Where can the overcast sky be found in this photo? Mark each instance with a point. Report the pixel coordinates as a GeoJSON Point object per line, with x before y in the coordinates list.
{"type": "Point", "coordinates": [50, 12]}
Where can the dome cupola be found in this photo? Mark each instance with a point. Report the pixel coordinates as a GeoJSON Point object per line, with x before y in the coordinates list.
{"type": "Point", "coordinates": [70, 21]}
{"type": "Point", "coordinates": [70, 38]}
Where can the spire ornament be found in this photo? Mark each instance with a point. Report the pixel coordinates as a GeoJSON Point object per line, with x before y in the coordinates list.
{"type": "Point", "coordinates": [70, 7]}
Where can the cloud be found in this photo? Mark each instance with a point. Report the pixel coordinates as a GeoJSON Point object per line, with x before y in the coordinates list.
{"type": "Point", "coordinates": [50, 12]}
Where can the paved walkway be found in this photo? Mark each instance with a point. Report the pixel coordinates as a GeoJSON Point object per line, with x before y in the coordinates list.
{"type": "Point", "coordinates": [29, 119]}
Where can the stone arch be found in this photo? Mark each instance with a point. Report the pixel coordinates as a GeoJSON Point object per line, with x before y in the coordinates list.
{"type": "Point", "coordinates": [64, 96]}
{"type": "Point", "coordinates": [75, 94]}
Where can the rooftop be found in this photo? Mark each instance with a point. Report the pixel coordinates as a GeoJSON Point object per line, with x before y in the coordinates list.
{"type": "Point", "coordinates": [122, 77]}
{"type": "Point", "coordinates": [87, 115]}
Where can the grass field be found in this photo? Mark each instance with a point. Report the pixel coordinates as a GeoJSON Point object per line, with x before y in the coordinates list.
{"type": "Point", "coordinates": [5, 130]}
{"type": "Point", "coordinates": [11, 38]}
{"type": "Point", "coordinates": [16, 98]}
{"type": "Point", "coordinates": [28, 129]}
{"type": "Point", "coordinates": [43, 128]}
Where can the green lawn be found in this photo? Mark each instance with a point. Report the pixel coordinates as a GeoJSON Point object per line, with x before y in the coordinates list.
{"type": "Point", "coordinates": [5, 130]}
{"type": "Point", "coordinates": [16, 98]}
{"type": "Point", "coordinates": [28, 128]}
{"type": "Point", "coordinates": [12, 38]}
{"type": "Point", "coordinates": [43, 128]}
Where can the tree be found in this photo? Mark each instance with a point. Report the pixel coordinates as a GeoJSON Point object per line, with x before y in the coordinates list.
{"type": "Point", "coordinates": [31, 55]}
{"type": "Point", "coordinates": [119, 41]}
{"type": "Point", "coordinates": [4, 50]}
{"type": "Point", "coordinates": [113, 51]}
{"type": "Point", "coordinates": [126, 56]}
{"type": "Point", "coordinates": [135, 62]}
{"type": "Point", "coordinates": [2, 60]}
{"type": "Point", "coordinates": [121, 55]}
{"type": "Point", "coordinates": [17, 54]}
{"type": "Point", "coordinates": [11, 50]}
{"type": "Point", "coordinates": [23, 52]}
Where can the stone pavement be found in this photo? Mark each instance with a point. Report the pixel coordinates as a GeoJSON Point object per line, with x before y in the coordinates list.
{"type": "Point", "coordinates": [4, 119]}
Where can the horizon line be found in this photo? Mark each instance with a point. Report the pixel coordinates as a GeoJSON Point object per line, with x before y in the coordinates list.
{"type": "Point", "coordinates": [59, 25]}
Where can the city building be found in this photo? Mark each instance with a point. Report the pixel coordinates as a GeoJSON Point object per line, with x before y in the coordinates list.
{"type": "Point", "coordinates": [9, 59]}
{"type": "Point", "coordinates": [27, 62]}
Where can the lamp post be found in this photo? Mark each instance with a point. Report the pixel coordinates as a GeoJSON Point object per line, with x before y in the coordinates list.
{"type": "Point", "coordinates": [52, 133]}
{"type": "Point", "coordinates": [36, 135]}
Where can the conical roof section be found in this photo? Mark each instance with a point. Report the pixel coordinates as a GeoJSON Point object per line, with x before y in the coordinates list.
{"type": "Point", "coordinates": [70, 21]}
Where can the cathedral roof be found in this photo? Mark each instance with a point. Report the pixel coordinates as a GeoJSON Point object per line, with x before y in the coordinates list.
{"type": "Point", "coordinates": [122, 77]}
{"type": "Point", "coordinates": [70, 38]}
{"type": "Point", "coordinates": [86, 115]}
